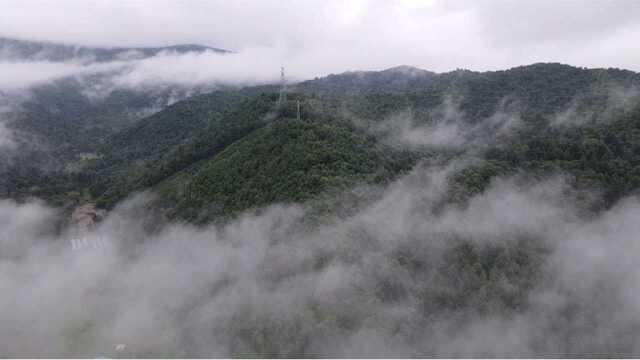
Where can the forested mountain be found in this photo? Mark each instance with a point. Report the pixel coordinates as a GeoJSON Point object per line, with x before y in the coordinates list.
{"type": "Point", "coordinates": [222, 152]}
{"type": "Point", "coordinates": [413, 208]}
{"type": "Point", "coordinates": [518, 113]}
{"type": "Point", "coordinates": [78, 105]}
{"type": "Point", "coordinates": [319, 179]}
{"type": "Point", "coordinates": [76, 98]}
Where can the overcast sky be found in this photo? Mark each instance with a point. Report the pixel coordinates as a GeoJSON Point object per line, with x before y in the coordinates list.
{"type": "Point", "coordinates": [333, 36]}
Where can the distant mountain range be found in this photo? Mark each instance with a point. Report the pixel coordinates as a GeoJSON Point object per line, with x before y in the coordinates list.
{"type": "Point", "coordinates": [15, 50]}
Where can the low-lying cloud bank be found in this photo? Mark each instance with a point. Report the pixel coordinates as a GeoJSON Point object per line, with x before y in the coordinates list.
{"type": "Point", "coordinates": [158, 81]}
{"type": "Point", "coordinates": [167, 68]}
{"type": "Point", "coordinates": [162, 79]}
{"type": "Point", "coordinates": [447, 127]}
{"type": "Point", "coordinates": [335, 36]}
{"type": "Point", "coordinates": [515, 272]}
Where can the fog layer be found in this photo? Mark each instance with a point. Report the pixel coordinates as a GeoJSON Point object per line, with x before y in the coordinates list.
{"type": "Point", "coordinates": [517, 271]}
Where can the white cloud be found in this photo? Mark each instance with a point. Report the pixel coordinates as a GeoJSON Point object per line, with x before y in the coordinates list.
{"type": "Point", "coordinates": [334, 36]}
{"type": "Point", "coordinates": [17, 75]}
{"type": "Point", "coordinates": [253, 66]}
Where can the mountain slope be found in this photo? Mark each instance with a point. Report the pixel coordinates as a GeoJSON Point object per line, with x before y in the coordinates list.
{"type": "Point", "coordinates": [230, 150]}
{"type": "Point", "coordinates": [58, 124]}
{"type": "Point", "coordinates": [285, 160]}
{"type": "Point", "coordinates": [171, 140]}
{"type": "Point", "coordinates": [538, 94]}
{"type": "Point", "coordinates": [16, 49]}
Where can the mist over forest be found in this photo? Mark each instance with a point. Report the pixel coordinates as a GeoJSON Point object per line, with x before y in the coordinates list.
{"type": "Point", "coordinates": [247, 199]}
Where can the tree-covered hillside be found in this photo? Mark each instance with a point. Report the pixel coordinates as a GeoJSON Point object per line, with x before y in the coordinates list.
{"type": "Point", "coordinates": [286, 160]}
{"type": "Point", "coordinates": [73, 100]}
{"type": "Point", "coordinates": [230, 150]}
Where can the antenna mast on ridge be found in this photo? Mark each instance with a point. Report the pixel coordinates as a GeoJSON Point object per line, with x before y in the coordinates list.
{"type": "Point", "coordinates": [283, 88]}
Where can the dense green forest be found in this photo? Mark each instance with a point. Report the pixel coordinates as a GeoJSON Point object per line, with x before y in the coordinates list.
{"type": "Point", "coordinates": [229, 150]}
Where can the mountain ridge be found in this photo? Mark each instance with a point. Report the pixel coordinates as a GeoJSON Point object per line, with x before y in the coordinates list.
{"type": "Point", "coordinates": [18, 49]}
{"type": "Point", "coordinates": [187, 140]}
{"type": "Point", "coordinates": [483, 94]}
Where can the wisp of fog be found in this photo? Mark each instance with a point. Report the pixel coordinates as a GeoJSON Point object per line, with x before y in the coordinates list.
{"type": "Point", "coordinates": [515, 271]}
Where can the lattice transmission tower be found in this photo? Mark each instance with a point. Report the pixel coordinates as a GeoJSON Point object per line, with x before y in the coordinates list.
{"type": "Point", "coordinates": [283, 88]}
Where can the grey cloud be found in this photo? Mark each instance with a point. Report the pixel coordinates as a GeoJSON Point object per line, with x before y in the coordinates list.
{"type": "Point", "coordinates": [446, 126]}
{"type": "Point", "coordinates": [396, 278]}
{"type": "Point", "coordinates": [401, 130]}
{"type": "Point", "coordinates": [379, 282]}
{"type": "Point", "coordinates": [188, 70]}
{"type": "Point", "coordinates": [167, 77]}
{"type": "Point", "coordinates": [331, 36]}
{"type": "Point", "coordinates": [613, 100]}
{"type": "Point", "coordinates": [513, 24]}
